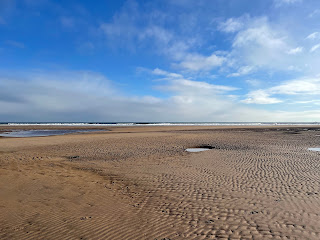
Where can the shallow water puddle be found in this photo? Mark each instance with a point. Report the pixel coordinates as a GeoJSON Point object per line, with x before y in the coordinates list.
{"type": "Point", "coordinates": [43, 133]}
{"type": "Point", "coordinates": [314, 149]}
{"type": "Point", "coordinates": [197, 149]}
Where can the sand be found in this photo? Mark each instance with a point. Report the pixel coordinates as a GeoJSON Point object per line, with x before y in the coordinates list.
{"type": "Point", "coordinates": [140, 183]}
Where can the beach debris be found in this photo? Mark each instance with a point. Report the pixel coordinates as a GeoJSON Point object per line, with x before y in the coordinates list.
{"type": "Point", "coordinates": [209, 221]}
{"type": "Point", "coordinates": [71, 158]}
{"type": "Point", "coordinates": [206, 146]}
{"type": "Point", "coordinates": [254, 212]}
{"type": "Point", "coordinates": [292, 132]}
{"type": "Point", "coordinates": [312, 193]}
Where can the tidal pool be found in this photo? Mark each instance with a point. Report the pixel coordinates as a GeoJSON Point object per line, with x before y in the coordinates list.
{"type": "Point", "coordinates": [197, 149]}
{"type": "Point", "coordinates": [314, 149]}
{"type": "Point", "coordinates": [43, 133]}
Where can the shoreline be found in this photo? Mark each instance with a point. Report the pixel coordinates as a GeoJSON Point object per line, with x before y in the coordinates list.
{"type": "Point", "coordinates": [167, 127]}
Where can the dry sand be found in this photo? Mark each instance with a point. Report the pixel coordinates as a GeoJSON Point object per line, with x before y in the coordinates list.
{"type": "Point", "coordinates": [139, 183]}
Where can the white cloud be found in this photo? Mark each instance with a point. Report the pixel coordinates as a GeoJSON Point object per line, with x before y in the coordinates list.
{"type": "Point", "coordinates": [197, 62]}
{"type": "Point", "coordinates": [270, 47]}
{"type": "Point", "coordinates": [242, 71]}
{"type": "Point", "coordinates": [314, 13]}
{"type": "Point", "coordinates": [155, 32]}
{"type": "Point", "coordinates": [313, 36]}
{"type": "Point", "coordinates": [253, 82]}
{"type": "Point", "coordinates": [299, 88]}
{"type": "Point", "coordinates": [295, 51]}
{"type": "Point", "coordinates": [135, 30]}
{"type": "Point", "coordinates": [310, 86]}
{"type": "Point", "coordinates": [69, 96]}
{"type": "Point", "coordinates": [279, 3]}
{"type": "Point", "coordinates": [289, 1]}
{"type": "Point", "coordinates": [314, 48]}
{"type": "Point", "coordinates": [161, 72]}
{"type": "Point", "coordinates": [231, 25]}
{"type": "Point", "coordinates": [317, 102]}
{"type": "Point", "coordinates": [260, 97]}
{"type": "Point", "coordinates": [185, 85]}
{"type": "Point", "coordinates": [260, 35]}
{"type": "Point", "coordinates": [259, 45]}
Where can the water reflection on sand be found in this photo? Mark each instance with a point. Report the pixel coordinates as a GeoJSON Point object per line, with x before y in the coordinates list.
{"type": "Point", "coordinates": [314, 149]}
{"type": "Point", "coordinates": [43, 133]}
{"type": "Point", "coordinates": [197, 149]}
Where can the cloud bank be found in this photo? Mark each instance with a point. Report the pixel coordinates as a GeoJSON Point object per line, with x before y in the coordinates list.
{"type": "Point", "coordinates": [42, 96]}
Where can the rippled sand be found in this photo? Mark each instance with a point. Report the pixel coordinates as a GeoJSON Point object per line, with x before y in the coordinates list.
{"type": "Point", "coordinates": [140, 183]}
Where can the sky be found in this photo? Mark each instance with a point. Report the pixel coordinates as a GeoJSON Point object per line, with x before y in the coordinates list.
{"type": "Point", "coordinates": [160, 60]}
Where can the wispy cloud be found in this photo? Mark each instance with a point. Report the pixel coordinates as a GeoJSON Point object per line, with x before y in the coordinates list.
{"type": "Point", "coordinates": [295, 51]}
{"type": "Point", "coordinates": [260, 97]}
{"type": "Point", "coordinates": [310, 86]}
{"type": "Point", "coordinates": [279, 3]}
{"type": "Point", "coordinates": [256, 42]}
{"type": "Point", "coordinates": [259, 44]}
{"type": "Point", "coordinates": [242, 71]}
{"type": "Point", "coordinates": [232, 25]}
{"type": "Point", "coordinates": [314, 13]}
{"type": "Point", "coordinates": [67, 22]}
{"type": "Point", "coordinates": [313, 36]}
{"type": "Point", "coordinates": [267, 46]}
{"type": "Point", "coordinates": [15, 44]}
{"type": "Point", "coordinates": [253, 82]}
{"type": "Point", "coordinates": [131, 27]}
{"type": "Point", "coordinates": [197, 62]}
{"type": "Point", "coordinates": [185, 85]}
{"type": "Point", "coordinates": [314, 48]}
{"type": "Point", "coordinates": [293, 90]}
{"type": "Point", "coordinates": [166, 74]}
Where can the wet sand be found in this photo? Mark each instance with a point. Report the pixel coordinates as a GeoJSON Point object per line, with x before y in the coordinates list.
{"type": "Point", "coordinates": [140, 183]}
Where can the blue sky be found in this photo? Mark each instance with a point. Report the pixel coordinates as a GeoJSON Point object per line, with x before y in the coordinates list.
{"type": "Point", "coordinates": [161, 60]}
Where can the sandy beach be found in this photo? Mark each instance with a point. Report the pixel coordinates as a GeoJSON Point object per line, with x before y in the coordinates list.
{"type": "Point", "coordinates": [140, 183]}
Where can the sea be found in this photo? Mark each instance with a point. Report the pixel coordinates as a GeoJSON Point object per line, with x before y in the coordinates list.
{"type": "Point", "coordinates": [155, 123]}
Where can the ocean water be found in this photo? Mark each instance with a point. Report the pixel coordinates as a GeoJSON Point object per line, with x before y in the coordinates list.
{"type": "Point", "coordinates": [42, 133]}
{"type": "Point", "coordinates": [156, 123]}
